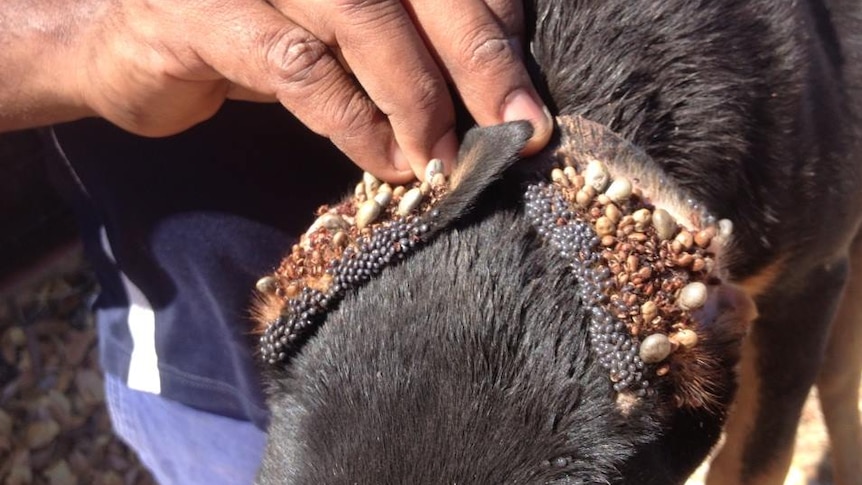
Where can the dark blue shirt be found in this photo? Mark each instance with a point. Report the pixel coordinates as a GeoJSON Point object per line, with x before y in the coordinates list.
{"type": "Point", "coordinates": [178, 230]}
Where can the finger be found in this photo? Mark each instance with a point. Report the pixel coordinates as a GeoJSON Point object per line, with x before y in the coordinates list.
{"type": "Point", "coordinates": [268, 54]}
{"type": "Point", "coordinates": [478, 54]}
{"type": "Point", "coordinates": [389, 58]}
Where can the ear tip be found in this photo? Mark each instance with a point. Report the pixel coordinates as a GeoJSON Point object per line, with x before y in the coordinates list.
{"type": "Point", "coordinates": [521, 129]}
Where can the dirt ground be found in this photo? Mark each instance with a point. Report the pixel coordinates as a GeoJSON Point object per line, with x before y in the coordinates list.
{"type": "Point", "coordinates": [55, 430]}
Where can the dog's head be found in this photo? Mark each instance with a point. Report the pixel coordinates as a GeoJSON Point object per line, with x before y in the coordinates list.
{"type": "Point", "coordinates": [500, 341]}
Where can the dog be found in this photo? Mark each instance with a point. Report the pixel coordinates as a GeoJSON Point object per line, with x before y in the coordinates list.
{"type": "Point", "coordinates": [475, 355]}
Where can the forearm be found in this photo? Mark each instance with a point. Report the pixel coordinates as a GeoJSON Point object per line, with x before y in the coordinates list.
{"type": "Point", "coordinates": [38, 44]}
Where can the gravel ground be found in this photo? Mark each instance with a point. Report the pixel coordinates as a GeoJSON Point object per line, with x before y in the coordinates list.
{"type": "Point", "coordinates": [55, 430]}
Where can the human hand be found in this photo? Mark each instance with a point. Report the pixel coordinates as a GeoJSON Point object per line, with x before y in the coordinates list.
{"type": "Point", "coordinates": [158, 67]}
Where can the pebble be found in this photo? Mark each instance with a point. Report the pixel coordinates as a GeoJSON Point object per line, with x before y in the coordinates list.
{"type": "Point", "coordinates": [5, 424]}
{"type": "Point", "coordinates": [604, 226]}
{"type": "Point", "coordinates": [655, 348]}
{"type": "Point", "coordinates": [620, 190]}
{"type": "Point", "coordinates": [41, 433]}
{"type": "Point", "coordinates": [410, 201]}
{"type": "Point", "coordinates": [664, 224]}
{"type": "Point", "coordinates": [434, 167]}
{"type": "Point", "coordinates": [596, 175]}
{"type": "Point", "coordinates": [90, 386]}
{"type": "Point", "coordinates": [692, 296]}
{"type": "Point", "coordinates": [368, 212]}
{"type": "Point", "coordinates": [685, 337]}
{"type": "Point", "coordinates": [266, 285]}
{"type": "Point", "coordinates": [60, 473]}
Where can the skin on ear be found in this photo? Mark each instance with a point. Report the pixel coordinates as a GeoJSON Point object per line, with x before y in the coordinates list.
{"type": "Point", "coordinates": [485, 155]}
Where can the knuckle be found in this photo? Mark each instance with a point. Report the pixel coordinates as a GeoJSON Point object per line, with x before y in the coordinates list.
{"type": "Point", "coordinates": [427, 96]}
{"type": "Point", "coordinates": [483, 49]}
{"type": "Point", "coordinates": [295, 57]}
{"type": "Point", "coordinates": [353, 6]}
{"type": "Point", "coordinates": [370, 15]}
{"type": "Point", "coordinates": [351, 120]}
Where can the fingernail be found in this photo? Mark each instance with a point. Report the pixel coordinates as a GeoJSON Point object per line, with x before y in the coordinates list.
{"type": "Point", "coordinates": [520, 105]}
{"type": "Point", "coordinates": [446, 149]}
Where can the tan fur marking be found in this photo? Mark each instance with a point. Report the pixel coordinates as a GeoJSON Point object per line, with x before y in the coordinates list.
{"type": "Point", "coordinates": [838, 383]}
{"type": "Point", "coordinates": [465, 166]}
{"type": "Point", "coordinates": [265, 309]}
{"type": "Point", "coordinates": [726, 468]}
{"type": "Point", "coordinates": [757, 284]}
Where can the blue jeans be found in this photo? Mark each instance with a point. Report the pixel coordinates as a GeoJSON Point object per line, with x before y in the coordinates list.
{"type": "Point", "coordinates": [181, 445]}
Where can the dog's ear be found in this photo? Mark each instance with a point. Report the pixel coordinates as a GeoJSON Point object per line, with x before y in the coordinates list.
{"type": "Point", "coordinates": [485, 155]}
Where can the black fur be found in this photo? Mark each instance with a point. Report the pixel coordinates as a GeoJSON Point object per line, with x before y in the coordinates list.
{"type": "Point", "coordinates": [469, 362]}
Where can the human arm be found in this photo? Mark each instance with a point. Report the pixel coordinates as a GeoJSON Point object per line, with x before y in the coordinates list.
{"type": "Point", "coordinates": [156, 68]}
